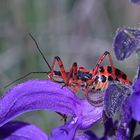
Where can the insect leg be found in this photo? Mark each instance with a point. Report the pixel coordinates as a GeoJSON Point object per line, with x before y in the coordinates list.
{"type": "Point", "coordinates": [30, 73]}
{"type": "Point", "coordinates": [61, 66]}
{"type": "Point", "coordinates": [73, 73]}
{"type": "Point", "coordinates": [100, 60]}
{"type": "Point", "coordinates": [75, 81]}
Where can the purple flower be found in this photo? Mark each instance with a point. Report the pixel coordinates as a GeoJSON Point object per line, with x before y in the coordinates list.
{"type": "Point", "coordinates": [116, 101]}
{"type": "Point", "coordinates": [115, 95]}
{"type": "Point", "coordinates": [135, 98]}
{"type": "Point", "coordinates": [135, 1]}
{"type": "Point", "coordinates": [126, 41]}
{"type": "Point", "coordinates": [45, 95]}
{"type": "Point", "coordinates": [123, 131]}
{"type": "Point", "coordinates": [21, 131]}
{"type": "Point", "coordinates": [128, 107]}
{"type": "Point", "coordinates": [88, 135]}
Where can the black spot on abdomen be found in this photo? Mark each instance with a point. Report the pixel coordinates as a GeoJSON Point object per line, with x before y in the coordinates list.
{"type": "Point", "coordinates": [109, 69]}
{"type": "Point", "coordinates": [102, 69]}
{"type": "Point", "coordinates": [117, 72]}
{"type": "Point", "coordinates": [110, 78]}
{"type": "Point", "coordinates": [124, 76]}
{"type": "Point", "coordinates": [103, 78]}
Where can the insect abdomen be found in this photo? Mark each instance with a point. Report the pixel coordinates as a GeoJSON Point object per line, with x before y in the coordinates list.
{"type": "Point", "coordinates": [105, 76]}
{"type": "Point", "coordinates": [102, 79]}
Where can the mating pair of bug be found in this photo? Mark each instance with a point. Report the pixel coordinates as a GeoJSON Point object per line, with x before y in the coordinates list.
{"type": "Point", "coordinates": [94, 80]}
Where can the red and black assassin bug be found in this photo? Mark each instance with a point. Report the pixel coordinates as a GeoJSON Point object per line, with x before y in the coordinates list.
{"type": "Point", "coordinates": [77, 77]}
{"type": "Point", "coordinates": [89, 80]}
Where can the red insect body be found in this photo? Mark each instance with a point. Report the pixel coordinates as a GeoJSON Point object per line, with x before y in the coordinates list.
{"type": "Point", "coordinates": [93, 82]}
{"type": "Point", "coordinates": [88, 80]}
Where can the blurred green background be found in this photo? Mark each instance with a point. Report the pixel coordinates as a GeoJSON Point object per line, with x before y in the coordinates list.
{"type": "Point", "coordinates": [76, 30]}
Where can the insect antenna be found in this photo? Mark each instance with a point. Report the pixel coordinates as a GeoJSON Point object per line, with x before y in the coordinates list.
{"type": "Point", "coordinates": [35, 72]}
{"type": "Point", "coordinates": [40, 51]}
{"type": "Point", "coordinates": [32, 72]}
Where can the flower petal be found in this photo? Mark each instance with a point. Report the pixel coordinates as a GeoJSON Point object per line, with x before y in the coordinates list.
{"type": "Point", "coordinates": [47, 95]}
{"type": "Point", "coordinates": [135, 104]}
{"type": "Point", "coordinates": [108, 127]}
{"type": "Point", "coordinates": [135, 97]}
{"type": "Point", "coordinates": [37, 95]}
{"type": "Point", "coordinates": [89, 114]}
{"type": "Point", "coordinates": [126, 41]}
{"type": "Point", "coordinates": [126, 127]}
{"type": "Point", "coordinates": [115, 95]}
{"type": "Point", "coordinates": [21, 131]}
{"type": "Point", "coordinates": [65, 132]}
{"type": "Point", "coordinates": [135, 100]}
{"type": "Point", "coordinates": [135, 1]}
{"type": "Point", "coordinates": [88, 135]}
{"type": "Point", "coordinates": [122, 134]}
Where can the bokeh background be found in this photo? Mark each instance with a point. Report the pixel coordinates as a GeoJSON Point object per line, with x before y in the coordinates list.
{"type": "Point", "coordinates": [76, 30]}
